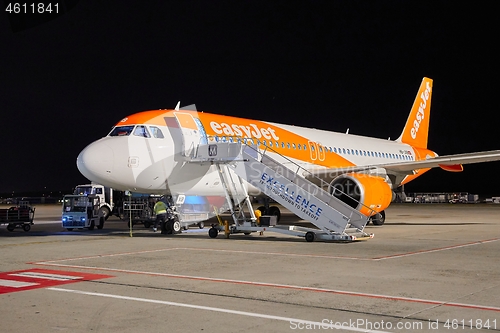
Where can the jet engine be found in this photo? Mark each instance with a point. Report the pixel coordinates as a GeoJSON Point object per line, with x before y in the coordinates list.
{"type": "Point", "coordinates": [368, 194]}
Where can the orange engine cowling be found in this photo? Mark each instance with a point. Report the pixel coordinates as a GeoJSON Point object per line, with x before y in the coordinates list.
{"type": "Point", "coordinates": [368, 194]}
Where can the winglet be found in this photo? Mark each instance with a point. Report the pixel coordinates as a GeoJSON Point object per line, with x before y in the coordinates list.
{"type": "Point", "coordinates": [416, 130]}
{"type": "Point", "coordinates": [178, 106]}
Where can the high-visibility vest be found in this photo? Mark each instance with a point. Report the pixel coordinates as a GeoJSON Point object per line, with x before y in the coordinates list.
{"type": "Point", "coordinates": [160, 208]}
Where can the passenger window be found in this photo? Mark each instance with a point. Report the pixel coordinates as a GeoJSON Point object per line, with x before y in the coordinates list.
{"type": "Point", "coordinates": [293, 145]}
{"type": "Point", "coordinates": [141, 130]}
{"type": "Point", "coordinates": [288, 145]}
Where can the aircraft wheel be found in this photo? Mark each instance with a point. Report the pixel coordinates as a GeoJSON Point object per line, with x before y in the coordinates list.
{"type": "Point", "coordinates": [101, 223]}
{"type": "Point", "coordinates": [379, 218]}
{"type": "Point", "coordinates": [26, 227]}
{"type": "Point", "coordinates": [310, 236]}
{"type": "Point", "coordinates": [201, 225]}
{"type": "Point", "coordinates": [275, 211]}
{"type": "Point", "coordinates": [212, 232]}
{"type": "Point", "coordinates": [246, 233]}
{"type": "Point", "coordinates": [11, 227]}
{"type": "Point", "coordinates": [69, 229]}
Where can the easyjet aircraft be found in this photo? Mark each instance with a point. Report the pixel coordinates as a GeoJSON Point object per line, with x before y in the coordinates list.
{"type": "Point", "coordinates": [150, 152]}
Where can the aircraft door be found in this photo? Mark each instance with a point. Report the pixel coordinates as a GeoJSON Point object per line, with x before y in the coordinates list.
{"type": "Point", "coordinates": [316, 151]}
{"type": "Point", "coordinates": [313, 150]}
{"type": "Point", "coordinates": [252, 149]}
{"type": "Point", "coordinates": [193, 133]}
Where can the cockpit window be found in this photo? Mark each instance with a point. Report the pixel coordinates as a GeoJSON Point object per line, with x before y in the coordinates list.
{"type": "Point", "coordinates": [157, 133]}
{"type": "Point", "coordinates": [141, 130]}
{"type": "Point", "coordinates": [121, 131]}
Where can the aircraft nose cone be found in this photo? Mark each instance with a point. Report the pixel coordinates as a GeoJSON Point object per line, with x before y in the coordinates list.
{"type": "Point", "coordinates": [95, 162]}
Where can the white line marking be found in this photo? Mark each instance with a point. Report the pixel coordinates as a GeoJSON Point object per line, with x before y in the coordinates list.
{"type": "Point", "coordinates": [452, 247]}
{"type": "Point", "coordinates": [302, 288]}
{"type": "Point", "coordinates": [394, 256]}
{"type": "Point", "coordinates": [16, 284]}
{"type": "Point", "coordinates": [105, 255]}
{"type": "Point", "coordinates": [321, 256]}
{"type": "Point", "coordinates": [55, 277]}
{"type": "Point", "coordinates": [235, 312]}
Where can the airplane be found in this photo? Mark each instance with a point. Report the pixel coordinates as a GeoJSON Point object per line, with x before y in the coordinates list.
{"type": "Point", "coordinates": [150, 152]}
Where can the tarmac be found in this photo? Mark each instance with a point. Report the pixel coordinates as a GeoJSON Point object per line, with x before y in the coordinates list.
{"type": "Point", "coordinates": [430, 268]}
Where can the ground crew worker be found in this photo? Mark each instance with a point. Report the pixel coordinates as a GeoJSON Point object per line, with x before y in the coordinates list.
{"type": "Point", "coordinates": [258, 214]}
{"type": "Point", "coordinates": [160, 209]}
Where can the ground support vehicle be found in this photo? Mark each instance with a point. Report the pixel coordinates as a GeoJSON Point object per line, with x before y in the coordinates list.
{"type": "Point", "coordinates": [137, 210]}
{"type": "Point", "coordinates": [82, 211]}
{"type": "Point", "coordinates": [105, 194]}
{"type": "Point", "coordinates": [20, 216]}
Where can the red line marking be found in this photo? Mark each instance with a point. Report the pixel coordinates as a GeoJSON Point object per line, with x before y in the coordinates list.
{"type": "Point", "coordinates": [17, 276]}
{"type": "Point", "coordinates": [292, 287]}
{"type": "Point", "coordinates": [436, 249]}
{"type": "Point", "coordinates": [272, 285]}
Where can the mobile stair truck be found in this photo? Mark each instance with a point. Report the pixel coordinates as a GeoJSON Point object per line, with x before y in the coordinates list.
{"type": "Point", "coordinates": [82, 211]}
{"type": "Point", "coordinates": [236, 162]}
{"type": "Point", "coordinates": [20, 216]}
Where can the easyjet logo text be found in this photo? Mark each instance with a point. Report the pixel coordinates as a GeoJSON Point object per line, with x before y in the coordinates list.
{"type": "Point", "coordinates": [250, 131]}
{"type": "Point", "coordinates": [421, 110]}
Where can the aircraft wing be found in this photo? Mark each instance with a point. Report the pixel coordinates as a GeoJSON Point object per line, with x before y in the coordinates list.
{"type": "Point", "coordinates": [446, 162]}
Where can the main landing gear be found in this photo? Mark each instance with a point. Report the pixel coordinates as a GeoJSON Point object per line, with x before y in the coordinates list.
{"type": "Point", "coordinates": [378, 219]}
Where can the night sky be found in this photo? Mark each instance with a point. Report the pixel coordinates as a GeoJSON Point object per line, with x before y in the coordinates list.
{"type": "Point", "coordinates": [328, 64]}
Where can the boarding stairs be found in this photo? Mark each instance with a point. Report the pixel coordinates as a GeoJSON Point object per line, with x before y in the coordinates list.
{"type": "Point", "coordinates": [237, 162]}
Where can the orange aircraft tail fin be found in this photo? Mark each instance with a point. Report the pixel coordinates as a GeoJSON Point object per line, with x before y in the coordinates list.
{"type": "Point", "coordinates": [416, 129]}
